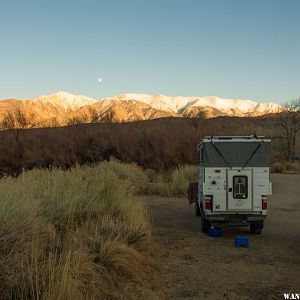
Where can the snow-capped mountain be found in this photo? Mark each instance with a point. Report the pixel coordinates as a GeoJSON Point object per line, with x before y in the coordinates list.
{"type": "Point", "coordinates": [63, 108]}
{"type": "Point", "coordinates": [180, 104]}
{"type": "Point", "coordinates": [67, 100]}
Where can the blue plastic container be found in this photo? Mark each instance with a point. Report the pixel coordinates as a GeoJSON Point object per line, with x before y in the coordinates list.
{"type": "Point", "coordinates": [215, 232]}
{"type": "Point", "coordinates": [241, 240]}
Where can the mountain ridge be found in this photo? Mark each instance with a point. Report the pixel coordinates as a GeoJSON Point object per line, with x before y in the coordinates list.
{"type": "Point", "coordinates": [62, 108]}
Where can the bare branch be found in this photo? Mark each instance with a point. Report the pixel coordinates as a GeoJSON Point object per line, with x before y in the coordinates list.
{"type": "Point", "coordinates": [288, 120]}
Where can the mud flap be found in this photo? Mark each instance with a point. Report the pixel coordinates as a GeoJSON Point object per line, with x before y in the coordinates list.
{"type": "Point", "coordinates": [192, 192]}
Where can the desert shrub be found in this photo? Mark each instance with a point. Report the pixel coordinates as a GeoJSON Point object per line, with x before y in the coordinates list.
{"type": "Point", "coordinates": [151, 174]}
{"type": "Point", "coordinates": [164, 189]}
{"type": "Point", "coordinates": [277, 167]}
{"type": "Point", "coordinates": [285, 167]}
{"type": "Point", "coordinates": [166, 184]}
{"type": "Point", "coordinates": [161, 144]}
{"type": "Point", "coordinates": [77, 234]}
{"type": "Point", "coordinates": [292, 167]}
{"type": "Point", "coordinates": [181, 177]}
{"type": "Point", "coordinates": [131, 172]}
{"type": "Point", "coordinates": [174, 183]}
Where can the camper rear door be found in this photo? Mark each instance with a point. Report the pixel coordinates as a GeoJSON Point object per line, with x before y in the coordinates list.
{"type": "Point", "coordinates": [239, 190]}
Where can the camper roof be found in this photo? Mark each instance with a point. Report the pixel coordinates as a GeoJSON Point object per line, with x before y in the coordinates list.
{"type": "Point", "coordinates": [235, 151]}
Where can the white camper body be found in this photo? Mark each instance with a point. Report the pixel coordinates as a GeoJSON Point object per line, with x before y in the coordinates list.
{"type": "Point", "coordinates": [234, 181]}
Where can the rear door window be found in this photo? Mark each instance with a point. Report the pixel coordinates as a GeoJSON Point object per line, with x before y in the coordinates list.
{"type": "Point", "coordinates": [240, 187]}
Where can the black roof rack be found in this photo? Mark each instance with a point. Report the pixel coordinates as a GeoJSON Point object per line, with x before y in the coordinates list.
{"type": "Point", "coordinates": [230, 137]}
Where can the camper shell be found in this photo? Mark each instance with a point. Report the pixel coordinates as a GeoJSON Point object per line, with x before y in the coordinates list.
{"type": "Point", "coordinates": [234, 181]}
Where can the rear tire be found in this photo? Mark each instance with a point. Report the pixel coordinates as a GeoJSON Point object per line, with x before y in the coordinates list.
{"type": "Point", "coordinates": [197, 209]}
{"type": "Point", "coordinates": [205, 225]}
{"type": "Point", "coordinates": [256, 228]}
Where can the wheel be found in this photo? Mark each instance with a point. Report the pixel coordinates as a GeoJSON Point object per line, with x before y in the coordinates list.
{"type": "Point", "coordinates": [256, 228]}
{"type": "Point", "coordinates": [205, 225]}
{"type": "Point", "coordinates": [197, 209]}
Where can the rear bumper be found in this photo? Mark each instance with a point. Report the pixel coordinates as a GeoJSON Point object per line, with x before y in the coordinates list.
{"type": "Point", "coordinates": [237, 219]}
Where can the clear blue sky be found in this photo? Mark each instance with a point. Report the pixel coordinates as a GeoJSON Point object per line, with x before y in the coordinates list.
{"type": "Point", "coordinates": [237, 49]}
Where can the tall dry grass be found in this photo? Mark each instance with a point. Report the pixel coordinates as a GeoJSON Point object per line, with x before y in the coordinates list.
{"type": "Point", "coordinates": [78, 234]}
{"type": "Point", "coordinates": [173, 183]}
{"type": "Point", "coordinates": [286, 167]}
{"type": "Point", "coordinates": [166, 184]}
{"type": "Point", "coordinates": [132, 173]}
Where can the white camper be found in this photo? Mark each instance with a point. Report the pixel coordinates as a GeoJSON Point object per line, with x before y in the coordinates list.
{"type": "Point", "coordinates": [234, 181]}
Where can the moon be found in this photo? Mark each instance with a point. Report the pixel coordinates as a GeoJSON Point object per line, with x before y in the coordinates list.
{"type": "Point", "coordinates": [99, 79]}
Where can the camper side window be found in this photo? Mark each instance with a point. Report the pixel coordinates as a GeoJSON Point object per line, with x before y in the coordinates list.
{"type": "Point", "coordinates": [240, 187]}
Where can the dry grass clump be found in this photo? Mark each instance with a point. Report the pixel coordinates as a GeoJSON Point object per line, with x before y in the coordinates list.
{"type": "Point", "coordinates": [286, 167]}
{"type": "Point", "coordinates": [181, 178]}
{"type": "Point", "coordinates": [129, 172]}
{"type": "Point", "coordinates": [78, 234]}
{"type": "Point", "coordinates": [174, 183]}
{"type": "Point", "coordinates": [292, 168]}
{"type": "Point", "coordinates": [277, 167]}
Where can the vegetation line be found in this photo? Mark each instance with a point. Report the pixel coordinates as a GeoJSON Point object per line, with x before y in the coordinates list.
{"type": "Point", "coordinates": [78, 234]}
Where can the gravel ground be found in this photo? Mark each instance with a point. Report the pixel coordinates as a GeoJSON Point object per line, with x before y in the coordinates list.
{"type": "Point", "coordinates": [194, 266]}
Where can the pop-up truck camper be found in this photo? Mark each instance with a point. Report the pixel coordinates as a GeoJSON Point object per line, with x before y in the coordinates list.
{"type": "Point", "coordinates": [233, 181]}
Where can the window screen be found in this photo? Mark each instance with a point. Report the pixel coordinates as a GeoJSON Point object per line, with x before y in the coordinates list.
{"type": "Point", "coordinates": [240, 187]}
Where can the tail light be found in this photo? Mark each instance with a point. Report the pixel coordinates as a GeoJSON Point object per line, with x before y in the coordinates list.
{"type": "Point", "coordinates": [264, 203]}
{"type": "Point", "coordinates": [208, 202]}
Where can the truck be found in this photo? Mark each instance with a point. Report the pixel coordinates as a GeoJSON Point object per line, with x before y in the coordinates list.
{"type": "Point", "coordinates": [233, 181]}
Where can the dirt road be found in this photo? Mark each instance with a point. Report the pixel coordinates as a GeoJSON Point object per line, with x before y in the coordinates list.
{"type": "Point", "coordinates": [194, 266]}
